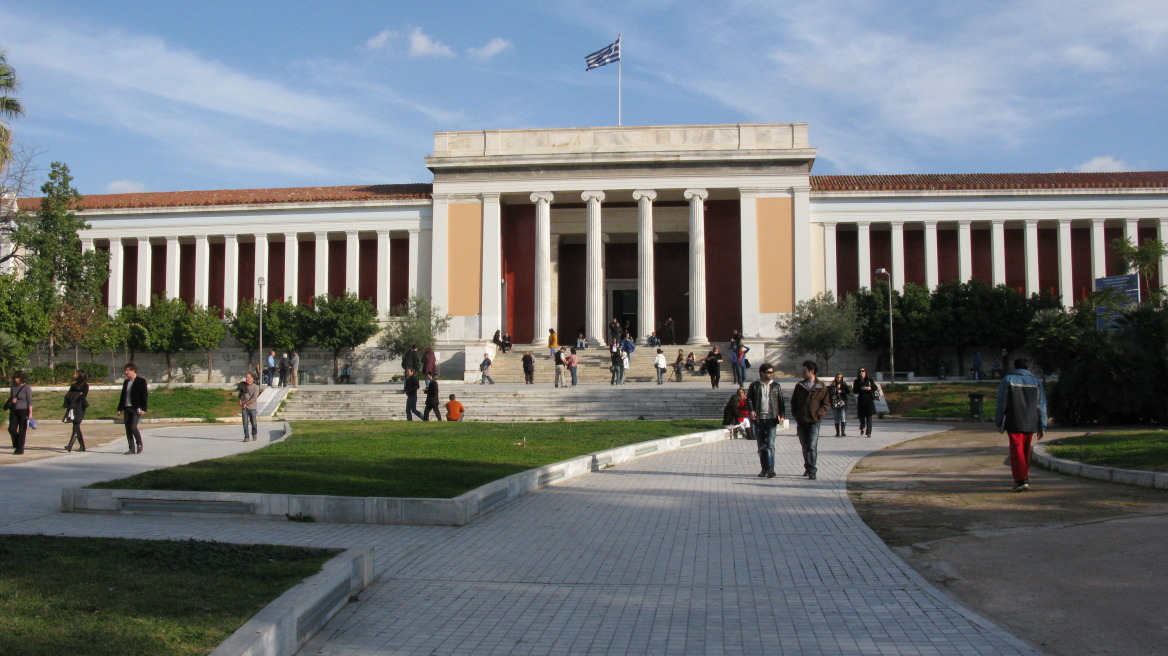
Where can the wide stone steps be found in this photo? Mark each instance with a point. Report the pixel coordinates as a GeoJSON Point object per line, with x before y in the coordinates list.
{"type": "Point", "coordinates": [594, 366]}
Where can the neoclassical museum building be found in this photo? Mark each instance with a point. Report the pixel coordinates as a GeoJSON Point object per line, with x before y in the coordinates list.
{"type": "Point", "coordinates": [715, 226]}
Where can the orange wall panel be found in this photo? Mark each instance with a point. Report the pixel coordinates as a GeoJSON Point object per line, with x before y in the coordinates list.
{"type": "Point", "coordinates": [776, 255]}
{"type": "Point", "coordinates": [466, 258]}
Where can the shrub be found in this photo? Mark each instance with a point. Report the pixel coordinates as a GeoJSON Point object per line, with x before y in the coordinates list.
{"type": "Point", "coordinates": [97, 371]}
{"type": "Point", "coordinates": [40, 375]}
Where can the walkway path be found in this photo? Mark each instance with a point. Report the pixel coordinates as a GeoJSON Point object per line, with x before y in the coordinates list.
{"type": "Point", "coordinates": [683, 553]}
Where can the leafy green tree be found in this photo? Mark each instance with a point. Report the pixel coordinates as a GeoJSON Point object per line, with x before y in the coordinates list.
{"type": "Point", "coordinates": [1143, 260]}
{"type": "Point", "coordinates": [244, 326]}
{"type": "Point", "coordinates": [165, 321]}
{"type": "Point", "coordinates": [341, 322]}
{"type": "Point", "coordinates": [203, 330]}
{"type": "Point", "coordinates": [413, 323]}
{"type": "Point", "coordinates": [133, 318]}
{"type": "Point", "coordinates": [1054, 339]}
{"type": "Point", "coordinates": [10, 108]}
{"type": "Point", "coordinates": [963, 313]}
{"type": "Point", "coordinates": [821, 326]}
{"type": "Point", "coordinates": [72, 321]}
{"type": "Point", "coordinates": [12, 355]}
{"type": "Point", "coordinates": [108, 334]}
{"type": "Point", "coordinates": [19, 318]}
{"type": "Point", "coordinates": [287, 326]}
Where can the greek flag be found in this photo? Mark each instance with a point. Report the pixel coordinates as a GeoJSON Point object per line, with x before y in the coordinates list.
{"type": "Point", "coordinates": [606, 55]}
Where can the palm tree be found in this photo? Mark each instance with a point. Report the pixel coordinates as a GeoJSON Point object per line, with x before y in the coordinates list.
{"type": "Point", "coordinates": [10, 107]}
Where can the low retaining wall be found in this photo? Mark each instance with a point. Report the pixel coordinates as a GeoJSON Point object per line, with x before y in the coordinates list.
{"type": "Point", "coordinates": [458, 511]}
{"type": "Point", "coordinates": [1158, 480]}
{"type": "Point", "coordinates": [286, 624]}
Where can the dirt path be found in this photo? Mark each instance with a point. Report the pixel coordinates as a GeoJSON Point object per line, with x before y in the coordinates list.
{"type": "Point", "coordinates": [1074, 567]}
{"type": "Point", "coordinates": [50, 438]}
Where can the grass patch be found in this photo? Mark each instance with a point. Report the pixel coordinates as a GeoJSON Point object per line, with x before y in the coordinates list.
{"type": "Point", "coordinates": [1147, 450]}
{"type": "Point", "coordinates": [935, 400]}
{"type": "Point", "coordinates": [198, 403]}
{"type": "Point", "coordinates": [401, 459]}
{"type": "Point", "coordinates": [99, 596]}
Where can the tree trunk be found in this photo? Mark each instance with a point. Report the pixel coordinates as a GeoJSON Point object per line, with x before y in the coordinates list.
{"type": "Point", "coordinates": [168, 368]}
{"type": "Point", "coordinates": [208, 366]}
{"type": "Point", "coordinates": [52, 352]}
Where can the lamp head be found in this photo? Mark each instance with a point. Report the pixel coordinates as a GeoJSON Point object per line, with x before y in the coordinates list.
{"type": "Point", "coordinates": [881, 271]}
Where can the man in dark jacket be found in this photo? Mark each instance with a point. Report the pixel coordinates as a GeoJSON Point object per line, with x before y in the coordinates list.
{"type": "Point", "coordinates": [1021, 413]}
{"type": "Point", "coordinates": [132, 405]}
{"type": "Point", "coordinates": [765, 400]}
{"type": "Point", "coordinates": [809, 404]}
{"type": "Point", "coordinates": [412, 360]}
{"type": "Point", "coordinates": [411, 389]}
{"type": "Point", "coordinates": [432, 402]}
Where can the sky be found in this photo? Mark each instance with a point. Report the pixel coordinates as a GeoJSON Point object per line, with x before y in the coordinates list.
{"type": "Point", "coordinates": [179, 95]}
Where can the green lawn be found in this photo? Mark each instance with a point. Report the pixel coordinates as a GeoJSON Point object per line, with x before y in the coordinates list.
{"type": "Point", "coordinates": [402, 459]}
{"type": "Point", "coordinates": [1147, 450]}
{"type": "Point", "coordinates": [113, 597]}
{"type": "Point", "coordinates": [935, 400]}
{"type": "Point", "coordinates": [170, 402]}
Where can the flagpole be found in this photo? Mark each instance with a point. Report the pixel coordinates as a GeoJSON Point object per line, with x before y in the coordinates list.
{"type": "Point", "coordinates": [619, 82]}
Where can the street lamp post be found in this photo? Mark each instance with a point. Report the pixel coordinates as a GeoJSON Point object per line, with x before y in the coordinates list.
{"type": "Point", "coordinates": [260, 301]}
{"type": "Point", "coordinates": [891, 342]}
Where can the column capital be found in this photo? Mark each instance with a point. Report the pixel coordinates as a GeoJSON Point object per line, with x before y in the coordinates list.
{"type": "Point", "coordinates": [964, 223]}
{"type": "Point", "coordinates": [1064, 223]}
{"type": "Point", "coordinates": [414, 232]}
{"type": "Point", "coordinates": [198, 238]}
{"type": "Point", "coordinates": [897, 223]}
{"type": "Point", "coordinates": [143, 240]}
{"type": "Point", "coordinates": [383, 233]}
{"type": "Point", "coordinates": [589, 196]}
{"type": "Point", "coordinates": [291, 236]}
{"type": "Point", "coordinates": [864, 225]}
{"type": "Point", "coordinates": [700, 194]}
{"type": "Point", "coordinates": [321, 234]}
{"type": "Point", "coordinates": [352, 233]}
{"type": "Point", "coordinates": [489, 196]}
{"type": "Point", "coordinates": [230, 236]}
{"type": "Point", "coordinates": [543, 197]}
{"type": "Point", "coordinates": [644, 194]}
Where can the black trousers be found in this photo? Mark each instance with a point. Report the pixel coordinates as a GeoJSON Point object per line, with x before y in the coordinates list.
{"type": "Point", "coordinates": [133, 435]}
{"type": "Point", "coordinates": [17, 428]}
{"type": "Point", "coordinates": [76, 436]}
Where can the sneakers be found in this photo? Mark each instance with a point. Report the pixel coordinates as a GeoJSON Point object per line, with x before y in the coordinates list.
{"type": "Point", "coordinates": [1022, 487]}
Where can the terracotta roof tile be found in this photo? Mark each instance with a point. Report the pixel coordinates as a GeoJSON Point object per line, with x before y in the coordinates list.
{"type": "Point", "coordinates": [420, 191]}
{"type": "Point", "coordinates": [990, 181]}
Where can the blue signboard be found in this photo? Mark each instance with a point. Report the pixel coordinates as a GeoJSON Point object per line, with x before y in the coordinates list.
{"type": "Point", "coordinates": [1125, 286]}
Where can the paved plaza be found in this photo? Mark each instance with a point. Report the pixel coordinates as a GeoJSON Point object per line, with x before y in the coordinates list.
{"type": "Point", "coordinates": [682, 553]}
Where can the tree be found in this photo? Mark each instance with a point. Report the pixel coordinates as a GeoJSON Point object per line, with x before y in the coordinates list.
{"type": "Point", "coordinates": [413, 323]}
{"type": "Point", "coordinates": [341, 322]}
{"type": "Point", "coordinates": [107, 334]}
{"type": "Point", "coordinates": [1143, 260]}
{"type": "Point", "coordinates": [164, 321]}
{"type": "Point", "coordinates": [71, 322]}
{"type": "Point", "coordinates": [10, 108]}
{"type": "Point", "coordinates": [202, 329]}
{"type": "Point", "coordinates": [287, 326]}
{"type": "Point", "coordinates": [12, 355]}
{"type": "Point", "coordinates": [133, 318]}
{"type": "Point", "coordinates": [963, 313]}
{"type": "Point", "coordinates": [821, 326]}
{"type": "Point", "coordinates": [244, 327]}
{"type": "Point", "coordinates": [1055, 340]}
{"type": "Point", "coordinates": [27, 325]}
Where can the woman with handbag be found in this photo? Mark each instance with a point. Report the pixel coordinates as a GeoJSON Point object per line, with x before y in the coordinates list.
{"type": "Point", "coordinates": [866, 392]}
{"type": "Point", "coordinates": [837, 393]}
{"type": "Point", "coordinates": [76, 402]}
{"type": "Point", "coordinates": [19, 406]}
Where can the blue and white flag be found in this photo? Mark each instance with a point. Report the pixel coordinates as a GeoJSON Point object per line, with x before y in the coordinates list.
{"type": "Point", "coordinates": [606, 55]}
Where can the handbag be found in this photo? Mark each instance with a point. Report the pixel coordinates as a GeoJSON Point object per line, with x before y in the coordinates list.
{"type": "Point", "coordinates": [838, 402]}
{"type": "Point", "coordinates": [746, 362]}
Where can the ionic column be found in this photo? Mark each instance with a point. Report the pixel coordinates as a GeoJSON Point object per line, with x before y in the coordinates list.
{"type": "Point", "coordinates": [1131, 231]}
{"type": "Point", "coordinates": [1066, 282]}
{"type": "Point", "coordinates": [230, 273]}
{"type": "Point", "coordinates": [202, 264]}
{"type": "Point", "coordinates": [932, 272]}
{"type": "Point", "coordinates": [172, 267]}
{"type": "Point", "coordinates": [352, 260]}
{"type": "Point", "coordinates": [543, 263]}
{"type": "Point", "coordinates": [145, 269]}
{"type": "Point", "coordinates": [864, 253]}
{"type": "Point", "coordinates": [291, 267]}
{"type": "Point", "coordinates": [898, 255]}
{"type": "Point", "coordinates": [322, 264]}
{"type": "Point", "coordinates": [998, 244]}
{"type": "Point", "coordinates": [1031, 256]}
{"type": "Point", "coordinates": [261, 268]}
{"type": "Point", "coordinates": [748, 265]}
{"type": "Point", "coordinates": [964, 251]}
{"type": "Point", "coordinates": [115, 277]}
{"type": "Point", "coordinates": [830, 278]}
{"type": "Point", "coordinates": [594, 272]}
{"type": "Point", "coordinates": [697, 265]}
{"type": "Point", "coordinates": [1098, 248]}
{"type": "Point", "coordinates": [383, 269]}
{"type": "Point", "coordinates": [646, 296]}
{"type": "Point", "coordinates": [412, 283]}
{"type": "Point", "coordinates": [492, 263]}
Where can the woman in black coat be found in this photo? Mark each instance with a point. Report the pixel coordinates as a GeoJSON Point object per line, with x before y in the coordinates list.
{"type": "Point", "coordinates": [528, 368]}
{"type": "Point", "coordinates": [865, 390]}
{"type": "Point", "coordinates": [714, 366]}
{"type": "Point", "coordinates": [76, 401]}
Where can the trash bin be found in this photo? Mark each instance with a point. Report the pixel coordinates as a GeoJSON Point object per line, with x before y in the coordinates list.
{"type": "Point", "coordinates": [976, 402]}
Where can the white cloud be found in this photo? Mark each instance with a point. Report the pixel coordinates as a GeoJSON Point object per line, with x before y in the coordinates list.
{"type": "Point", "coordinates": [125, 187]}
{"type": "Point", "coordinates": [421, 45]}
{"type": "Point", "coordinates": [493, 47]}
{"type": "Point", "coordinates": [379, 41]}
{"type": "Point", "coordinates": [1103, 164]}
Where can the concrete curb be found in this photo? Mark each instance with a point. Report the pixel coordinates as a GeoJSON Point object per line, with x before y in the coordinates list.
{"type": "Point", "coordinates": [1157, 480]}
{"type": "Point", "coordinates": [458, 511]}
{"type": "Point", "coordinates": [286, 624]}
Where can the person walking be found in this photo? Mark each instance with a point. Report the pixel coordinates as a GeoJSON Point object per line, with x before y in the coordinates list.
{"type": "Point", "coordinates": [614, 330]}
{"type": "Point", "coordinates": [412, 360]}
{"type": "Point", "coordinates": [561, 367]}
{"type": "Point", "coordinates": [627, 346]}
{"type": "Point", "coordinates": [738, 364]}
{"type": "Point", "coordinates": [272, 368]}
{"type": "Point", "coordinates": [766, 407]}
{"type": "Point", "coordinates": [19, 406]}
{"type": "Point", "coordinates": [714, 366]}
{"type": "Point", "coordinates": [677, 365]}
{"type": "Point", "coordinates": [670, 331]}
{"type": "Point", "coordinates": [432, 400]}
{"type": "Point", "coordinates": [285, 369]}
{"type": "Point", "coordinates": [454, 410]}
{"type": "Point", "coordinates": [976, 371]}
{"type": "Point", "coordinates": [485, 370]}
{"type": "Point", "coordinates": [809, 405]}
{"type": "Point", "coordinates": [618, 363]}
{"type": "Point", "coordinates": [1021, 413]}
{"type": "Point", "coordinates": [573, 363]}
{"type": "Point", "coordinates": [132, 404]}
{"type": "Point", "coordinates": [528, 368]}
{"type": "Point", "coordinates": [838, 392]}
{"type": "Point", "coordinates": [249, 394]}
{"type": "Point", "coordinates": [411, 391]}
{"type": "Point", "coordinates": [865, 390]}
{"type": "Point", "coordinates": [295, 364]}
{"type": "Point", "coordinates": [76, 402]}
{"type": "Point", "coordinates": [553, 342]}
{"type": "Point", "coordinates": [659, 365]}
{"type": "Point", "coordinates": [430, 365]}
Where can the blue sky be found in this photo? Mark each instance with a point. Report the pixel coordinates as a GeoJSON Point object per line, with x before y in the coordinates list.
{"type": "Point", "coordinates": [175, 95]}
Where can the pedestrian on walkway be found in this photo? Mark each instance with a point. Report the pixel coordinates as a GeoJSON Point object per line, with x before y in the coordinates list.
{"type": "Point", "coordinates": [838, 392]}
{"type": "Point", "coordinates": [976, 371]}
{"type": "Point", "coordinates": [432, 400]}
{"type": "Point", "coordinates": [561, 366]}
{"type": "Point", "coordinates": [19, 406]}
{"type": "Point", "coordinates": [132, 404]}
{"type": "Point", "coordinates": [1021, 413]}
{"type": "Point", "coordinates": [659, 365]}
{"type": "Point", "coordinates": [272, 369]}
{"type": "Point", "coordinates": [485, 370]}
{"type": "Point", "coordinates": [714, 366]}
{"type": "Point", "coordinates": [76, 402]}
{"type": "Point", "coordinates": [618, 363]}
{"type": "Point", "coordinates": [528, 368]}
{"type": "Point", "coordinates": [809, 405]}
{"type": "Point", "coordinates": [677, 365]}
{"type": "Point", "coordinates": [614, 330]}
{"type": "Point", "coordinates": [738, 363]}
{"type": "Point", "coordinates": [454, 410]}
{"type": "Point", "coordinates": [295, 364]}
{"type": "Point", "coordinates": [553, 342]}
{"type": "Point", "coordinates": [285, 369]}
{"type": "Point", "coordinates": [249, 394]}
{"type": "Point", "coordinates": [573, 362]}
{"type": "Point", "coordinates": [765, 399]}
{"type": "Point", "coordinates": [411, 391]}
{"type": "Point", "coordinates": [627, 346]}
{"type": "Point", "coordinates": [865, 390]}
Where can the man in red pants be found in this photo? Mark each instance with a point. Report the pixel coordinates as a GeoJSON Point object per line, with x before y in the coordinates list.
{"type": "Point", "coordinates": [1021, 413]}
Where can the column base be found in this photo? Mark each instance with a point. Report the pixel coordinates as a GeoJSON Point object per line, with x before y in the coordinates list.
{"type": "Point", "coordinates": [698, 341]}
